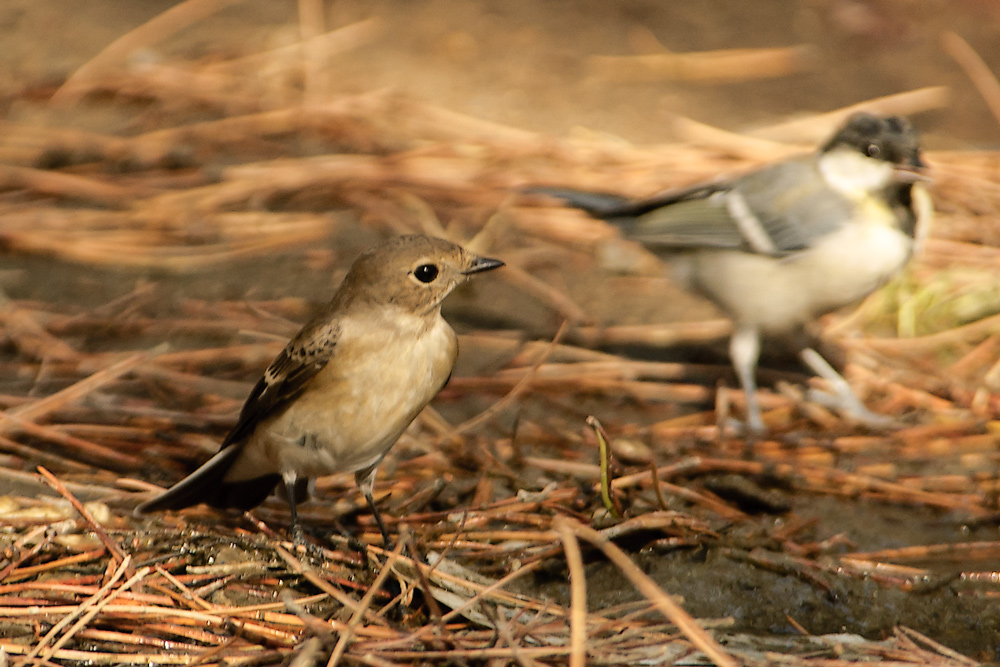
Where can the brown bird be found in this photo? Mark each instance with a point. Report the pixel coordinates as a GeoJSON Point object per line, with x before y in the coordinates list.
{"type": "Point", "coordinates": [346, 386]}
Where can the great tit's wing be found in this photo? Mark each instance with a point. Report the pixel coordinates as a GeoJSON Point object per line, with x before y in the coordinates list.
{"type": "Point", "coordinates": [685, 217]}
{"type": "Point", "coordinates": [690, 223]}
{"type": "Point", "coordinates": [608, 206]}
{"type": "Point", "coordinates": [775, 211]}
{"type": "Point", "coordinates": [287, 376]}
{"type": "Point", "coordinates": [597, 204]}
{"type": "Point", "coordinates": [793, 204]}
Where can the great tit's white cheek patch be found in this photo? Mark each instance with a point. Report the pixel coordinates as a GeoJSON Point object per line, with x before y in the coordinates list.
{"type": "Point", "coordinates": [854, 175]}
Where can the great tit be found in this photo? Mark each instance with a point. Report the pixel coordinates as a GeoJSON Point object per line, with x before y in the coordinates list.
{"type": "Point", "coordinates": [777, 247]}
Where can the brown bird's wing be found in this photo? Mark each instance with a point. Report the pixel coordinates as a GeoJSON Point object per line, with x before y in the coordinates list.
{"type": "Point", "coordinates": [287, 376]}
{"type": "Point", "coordinates": [284, 379]}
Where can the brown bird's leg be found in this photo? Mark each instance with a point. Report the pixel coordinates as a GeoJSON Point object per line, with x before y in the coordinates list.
{"type": "Point", "coordinates": [366, 482]}
{"type": "Point", "coordinates": [298, 537]}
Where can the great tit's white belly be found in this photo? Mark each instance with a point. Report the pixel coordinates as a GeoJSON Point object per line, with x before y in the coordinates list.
{"type": "Point", "coordinates": [356, 407]}
{"type": "Point", "coordinates": [779, 294]}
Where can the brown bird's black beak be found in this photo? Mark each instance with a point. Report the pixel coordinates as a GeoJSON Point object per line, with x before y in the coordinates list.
{"type": "Point", "coordinates": [481, 264]}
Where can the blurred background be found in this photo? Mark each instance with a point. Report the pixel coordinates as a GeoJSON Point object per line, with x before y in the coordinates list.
{"type": "Point", "coordinates": [537, 65]}
{"type": "Point", "coordinates": [183, 184]}
{"type": "Point", "coordinates": [626, 96]}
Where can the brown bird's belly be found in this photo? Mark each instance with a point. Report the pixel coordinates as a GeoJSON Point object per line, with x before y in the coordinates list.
{"type": "Point", "coordinates": [353, 411]}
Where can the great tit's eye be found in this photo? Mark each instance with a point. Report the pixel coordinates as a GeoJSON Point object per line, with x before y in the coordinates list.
{"type": "Point", "coordinates": [426, 273]}
{"type": "Point", "coordinates": [873, 150]}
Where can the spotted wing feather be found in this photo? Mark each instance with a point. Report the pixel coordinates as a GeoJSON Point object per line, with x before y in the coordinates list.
{"type": "Point", "coordinates": [287, 376]}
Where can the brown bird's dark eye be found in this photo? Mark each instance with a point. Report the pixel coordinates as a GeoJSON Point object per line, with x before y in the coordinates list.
{"type": "Point", "coordinates": [426, 273]}
{"type": "Point", "coordinates": [874, 151]}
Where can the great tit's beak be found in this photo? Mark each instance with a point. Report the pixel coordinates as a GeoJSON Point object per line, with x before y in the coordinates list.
{"type": "Point", "coordinates": [909, 175]}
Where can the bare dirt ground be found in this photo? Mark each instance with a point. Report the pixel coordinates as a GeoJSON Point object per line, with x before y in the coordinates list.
{"type": "Point", "coordinates": [172, 213]}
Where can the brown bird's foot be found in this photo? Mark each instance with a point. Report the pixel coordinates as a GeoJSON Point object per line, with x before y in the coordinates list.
{"type": "Point", "coordinates": [298, 536]}
{"type": "Point", "coordinates": [387, 543]}
{"type": "Point", "coordinates": [366, 482]}
{"type": "Point", "coordinates": [351, 538]}
{"type": "Point", "coordinates": [302, 544]}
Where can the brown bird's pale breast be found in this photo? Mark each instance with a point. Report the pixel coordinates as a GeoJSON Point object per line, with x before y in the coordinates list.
{"type": "Point", "coordinates": [386, 368]}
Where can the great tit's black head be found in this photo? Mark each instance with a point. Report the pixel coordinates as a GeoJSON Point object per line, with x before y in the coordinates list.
{"type": "Point", "coordinates": [889, 138]}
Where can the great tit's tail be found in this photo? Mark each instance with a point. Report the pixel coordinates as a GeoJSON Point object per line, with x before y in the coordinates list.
{"type": "Point", "coordinates": [598, 204]}
{"type": "Point", "coordinates": [207, 485]}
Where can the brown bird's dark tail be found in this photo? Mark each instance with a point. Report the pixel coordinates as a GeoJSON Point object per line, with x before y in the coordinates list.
{"type": "Point", "coordinates": [207, 485]}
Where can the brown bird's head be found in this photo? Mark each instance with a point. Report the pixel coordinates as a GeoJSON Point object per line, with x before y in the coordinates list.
{"type": "Point", "coordinates": [413, 272]}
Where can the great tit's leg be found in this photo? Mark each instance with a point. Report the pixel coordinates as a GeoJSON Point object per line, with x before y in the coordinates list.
{"type": "Point", "coordinates": [842, 398]}
{"type": "Point", "coordinates": [744, 351]}
{"type": "Point", "coordinates": [366, 482]}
